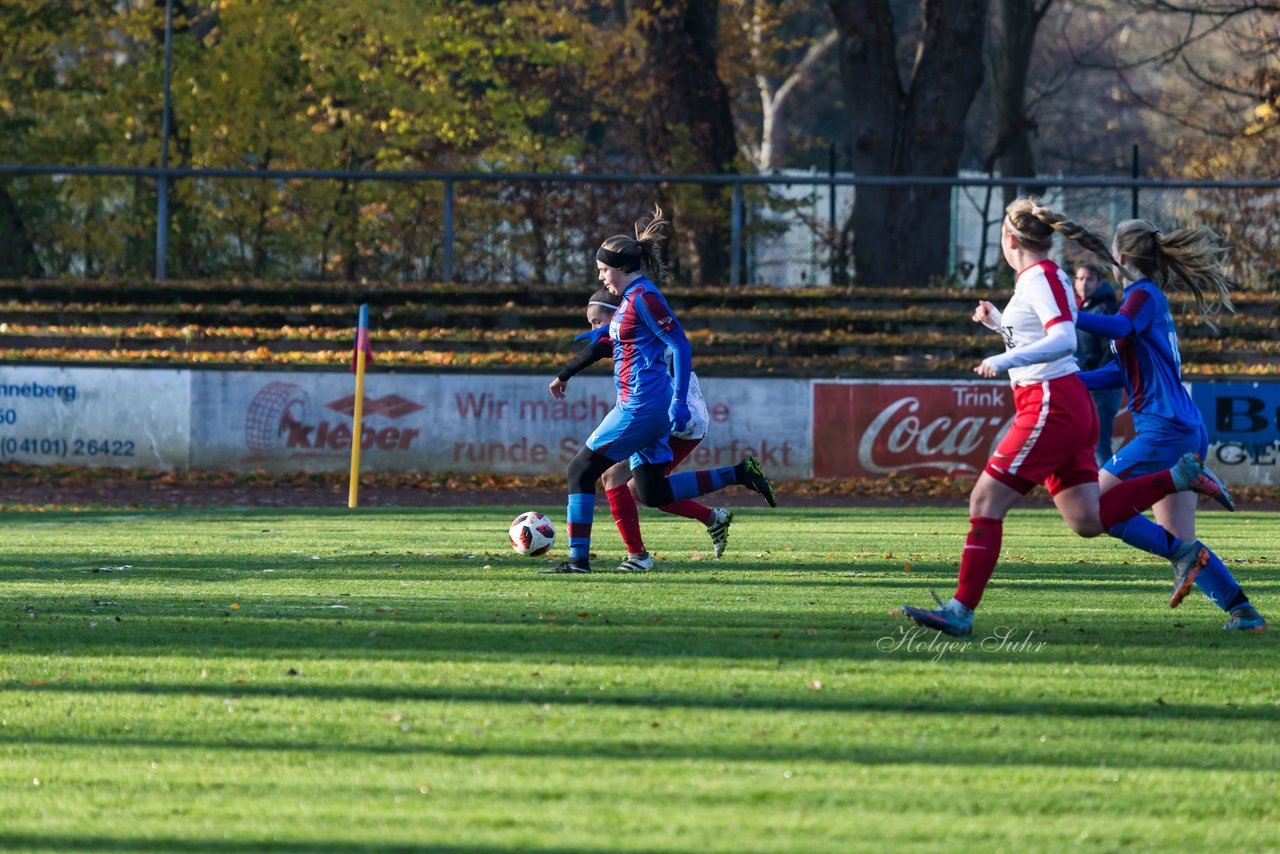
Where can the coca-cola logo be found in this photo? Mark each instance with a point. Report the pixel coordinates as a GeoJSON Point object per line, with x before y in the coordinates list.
{"type": "Point", "coordinates": [900, 438]}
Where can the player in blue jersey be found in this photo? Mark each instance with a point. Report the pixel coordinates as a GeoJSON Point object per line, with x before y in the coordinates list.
{"type": "Point", "coordinates": [1054, 434]}
{"type": "Point", "coordinates": [652, 399]}
{"type": "Point", "coordinates": [1168, 424]}
{"type": "Point", "coordinates": [617, 480]}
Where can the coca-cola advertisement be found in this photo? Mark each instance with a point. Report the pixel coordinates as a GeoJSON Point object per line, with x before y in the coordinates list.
{"type": "Point", "coordinates": [923, 429]}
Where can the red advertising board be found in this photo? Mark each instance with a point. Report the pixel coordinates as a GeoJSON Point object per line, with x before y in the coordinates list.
{"type": "Point", "coordinates": [922, 429]}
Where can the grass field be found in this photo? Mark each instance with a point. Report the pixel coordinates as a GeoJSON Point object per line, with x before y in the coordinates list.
{"type": "Point", "coordinates": [326, 680]}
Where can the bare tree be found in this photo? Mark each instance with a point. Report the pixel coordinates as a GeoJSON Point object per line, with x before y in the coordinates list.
{"type": "Point", "coordinates": [782, 63]}
{"type": "Point", "coordinates": [907, 128]}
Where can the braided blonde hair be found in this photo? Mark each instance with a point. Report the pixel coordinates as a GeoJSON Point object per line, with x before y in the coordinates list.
{"type": "Point", "coordinates": [1189, 258]}
{"type": "Point", "coordinates": [652, 231]}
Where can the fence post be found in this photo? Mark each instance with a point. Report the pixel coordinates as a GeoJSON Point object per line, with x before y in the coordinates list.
{"type": "Point", "coordinates": [1135, 175]}
{"type": "Point", "coordinates": [448, 231]}
{"type": "Point", "coordinates": [162, 182]}
{"type": "Point", "coordinates": [735, 239]}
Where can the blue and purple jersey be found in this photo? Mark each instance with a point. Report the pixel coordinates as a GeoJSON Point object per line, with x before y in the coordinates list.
{"type": "Point", "coordinates": [642, 329]}
{"type": "Point", "coordinates": [1147, 359]}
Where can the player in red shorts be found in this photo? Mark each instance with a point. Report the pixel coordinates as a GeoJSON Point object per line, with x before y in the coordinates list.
{"type": "Point", "coordinates": [1055, 428]}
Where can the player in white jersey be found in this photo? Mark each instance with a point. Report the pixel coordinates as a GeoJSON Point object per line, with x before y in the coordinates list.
{"type": "Point", "coordinates": [1055, 427]}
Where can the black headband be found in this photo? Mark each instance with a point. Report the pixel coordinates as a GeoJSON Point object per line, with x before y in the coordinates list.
{"type": "Point", "coordinates": [627, 263]}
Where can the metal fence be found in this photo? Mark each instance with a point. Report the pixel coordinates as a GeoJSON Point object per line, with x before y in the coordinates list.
{"type": "Point", "coordinates": [784, 229]}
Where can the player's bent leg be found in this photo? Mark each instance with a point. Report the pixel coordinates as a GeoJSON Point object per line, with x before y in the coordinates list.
{"type": "Point", "coordinates": [652, 485]}
{"type": "Point", "coordinates": [993, 499]}
{"type": "Point", "coordinates": [748, 473]}
{"type": "Point", "coordinates": [1078, 506]}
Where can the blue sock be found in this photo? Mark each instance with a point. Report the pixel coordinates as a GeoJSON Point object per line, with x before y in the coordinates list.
{"type": "Point", "coordinates": [1216, 582]}
{"type": "Point", "coordinates": [1141, 533]}
{"type": "Point", "coordinates": [691, 484]}
{"type": "Point", "coordinates": [722, 477]}
{"type": "Point", "coordinates": [582, 508]}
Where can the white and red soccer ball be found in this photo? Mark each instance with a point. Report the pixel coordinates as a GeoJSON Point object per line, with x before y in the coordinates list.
{"type": "Point", "coordinates": [532, 534]}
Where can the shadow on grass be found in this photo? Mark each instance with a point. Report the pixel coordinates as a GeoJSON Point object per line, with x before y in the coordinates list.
{"type": "Point", "coordinates": [64, 842]}
{"type": "Point", "coordinates": [597, 620]}
{"type": "Point", "coordinates": [832, 700]}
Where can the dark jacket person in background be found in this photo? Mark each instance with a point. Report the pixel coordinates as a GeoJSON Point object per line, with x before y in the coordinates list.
{"type": "Point", "coordinates": [1094, 294]}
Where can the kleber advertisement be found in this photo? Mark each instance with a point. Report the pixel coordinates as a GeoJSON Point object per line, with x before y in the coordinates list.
{"type": "Point", "coordinates": [138, 418]}
{"type": "Point", "coordinates": [459, 423]}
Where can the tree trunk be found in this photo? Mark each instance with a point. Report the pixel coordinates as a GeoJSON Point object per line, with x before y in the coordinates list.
{"type": "Point", "coordinates": [902, 234]}
{"type": "Point", "coordinates": [689, 127]}
{"type": "Point", "coordinates": [17, 254]}
{"type": "Point", "coordinates": [1011, 154]}
{"type": "Point", "coordinates": [774, 103]}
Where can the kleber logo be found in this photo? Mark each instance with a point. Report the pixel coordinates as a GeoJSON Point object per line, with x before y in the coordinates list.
{"type": "Point", "coordinates": [272, 411]}
{"type": "Point", "coordinates": [392, 406]}
{"type": "Point", "coordinates": [281, 420]}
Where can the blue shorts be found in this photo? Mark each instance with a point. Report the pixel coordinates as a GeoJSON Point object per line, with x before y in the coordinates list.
{"type": "Point", "coordinates": [1154, 450]}
{"type": "Point", "coordinates": [640, 434]}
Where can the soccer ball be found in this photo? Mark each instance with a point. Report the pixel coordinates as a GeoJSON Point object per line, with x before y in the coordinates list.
{"type": "Point", "coordinates": [532, 534]}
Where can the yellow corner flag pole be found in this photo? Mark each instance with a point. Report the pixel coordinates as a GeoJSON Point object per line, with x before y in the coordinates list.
{"type": "Point", "coordinates": [357, 429]}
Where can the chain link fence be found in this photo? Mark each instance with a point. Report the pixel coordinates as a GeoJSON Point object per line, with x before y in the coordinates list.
{"type": "Point", "coordinates": [787, 230]}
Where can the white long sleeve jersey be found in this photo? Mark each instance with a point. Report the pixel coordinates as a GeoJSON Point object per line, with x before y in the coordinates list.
{"type": "Point", "coordinates": [1038, 327]}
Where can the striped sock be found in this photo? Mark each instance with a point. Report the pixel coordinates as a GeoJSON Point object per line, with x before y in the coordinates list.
{"type": "Point", "coordinates": [582, 507]}
{"type": "Point", "coordinates": [691, 484]}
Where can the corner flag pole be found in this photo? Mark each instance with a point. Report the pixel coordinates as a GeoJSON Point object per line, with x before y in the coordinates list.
{"type": "Point", "coordinates": [357, 429]}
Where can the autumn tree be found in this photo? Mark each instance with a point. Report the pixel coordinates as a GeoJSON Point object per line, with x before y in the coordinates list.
{"type": "Point", "coordinates": [688, 122]}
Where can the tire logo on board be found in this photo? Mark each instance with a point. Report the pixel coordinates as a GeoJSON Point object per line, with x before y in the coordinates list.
{"type": "Point", "coordinates": [277, 422]}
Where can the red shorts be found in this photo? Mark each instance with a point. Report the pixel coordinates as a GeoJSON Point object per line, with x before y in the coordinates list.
{"type": "Point", "coordinates": [1051, 440]}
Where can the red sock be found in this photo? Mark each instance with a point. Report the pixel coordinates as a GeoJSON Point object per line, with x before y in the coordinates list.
{"type": "Point", "coordinates": [1131, 497]}
{"type": "Point", "coordinates": [689, 509]}
{"type": "Point", "coordinates": [623, 507]}
{"type": "Point", "coordinates": [981, 551]}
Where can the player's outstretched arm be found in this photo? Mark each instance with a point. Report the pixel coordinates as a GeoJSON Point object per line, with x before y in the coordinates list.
{"type": "Point", "coordinates": [1103, 378]}
{"type": "Point", "coordinates": [589, 355]}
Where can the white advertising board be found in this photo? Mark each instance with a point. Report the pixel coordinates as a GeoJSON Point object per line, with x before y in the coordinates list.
{"type": "Point", "coordinates": [138, 418]}
{"type": "Point", "coordinates": [465, 423]}
{"type": "Point", "coordinates": [118, 417]}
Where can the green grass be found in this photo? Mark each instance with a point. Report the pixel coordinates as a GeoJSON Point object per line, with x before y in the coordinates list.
{"type": "Point", "coordinates": [325, 680]}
